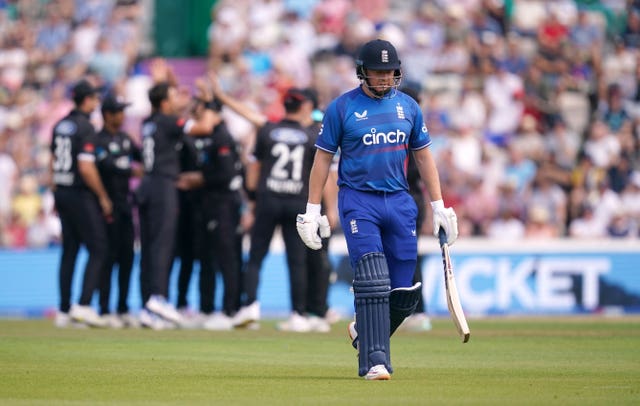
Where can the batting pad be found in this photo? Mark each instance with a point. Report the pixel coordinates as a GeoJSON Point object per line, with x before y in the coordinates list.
{"type": "Point", "coordinates": [371, 287]}
{"type": "Point", "coordinates": [402, 304]}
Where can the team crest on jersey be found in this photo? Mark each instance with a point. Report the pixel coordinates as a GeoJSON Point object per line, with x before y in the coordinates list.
{"type": "Point", "coordinates": [114, 148]}
{"type": "Point", "coordinates": [354, 226]}
{"type": "Point", "coordinates": [66, 127]}
{"type": "Point", "coordinates": [361, 116]}
{"type": "Point", "coordinates": [400, 111]}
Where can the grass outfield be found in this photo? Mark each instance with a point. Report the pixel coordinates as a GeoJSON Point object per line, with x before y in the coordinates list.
{"type": "Point", "coordinates": [560, 361]}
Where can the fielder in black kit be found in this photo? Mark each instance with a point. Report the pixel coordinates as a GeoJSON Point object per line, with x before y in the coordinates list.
{"type": "Point", "coordinates": [115, 155]}
{"type": "Point", "coordinates": [220, 181]}
{"type": "Point", "coordinates": [157, 196]}
{"type": "Point", "coordinates": [82, 204]}
{"type": "Point", "coordinates": [277, 181]}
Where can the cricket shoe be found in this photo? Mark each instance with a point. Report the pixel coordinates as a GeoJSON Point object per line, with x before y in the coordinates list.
{"type": "Point", "coordinates": [153, 321]}
{"type": "Point", "coordinates": [63, 320]}
{"type": "Point", "coordinates": [218, 322]}
{"type": "Point", "coordinates": [353, 334]}
{"type": "Point", "coordinates": [87, 315]}
{"type": "Point", "coordinates": [129, 320]}
{"type": "Point", "coordinates": [378, 373]}
{"type": "Point", "coordinates": [318, 324]}
{"type": "Point", "coordinates": [159, 305]}
{"type": "Point", "coordinates": [295, 323]}
{"type": "Point", "coordinates": [247, 315]}
{"type": "Point", "coordinates": [113, 321]}
{"type": "Point", "coordinates": [416, 322]}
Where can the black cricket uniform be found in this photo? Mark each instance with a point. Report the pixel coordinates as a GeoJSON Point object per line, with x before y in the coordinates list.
{"type": "Point", "coordinates": [190, 231]}
{"type": "Point", "coordinates": [115, 153]}
{"type": "Point", "coordinates": [222, 203]}
{"type": "Point", "coordinates": [285, 150]}
{"type": "Point", "coordinates": [80, 214]}
{"type": "Point", "coordinates": [157, 198]}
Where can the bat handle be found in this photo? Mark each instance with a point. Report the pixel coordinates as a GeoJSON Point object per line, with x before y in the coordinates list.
{"type": "Point", "coordinates": [442, 236]}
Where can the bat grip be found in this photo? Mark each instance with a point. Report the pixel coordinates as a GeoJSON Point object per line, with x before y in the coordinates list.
{"type": "Point", "coordinates": [442, 236]}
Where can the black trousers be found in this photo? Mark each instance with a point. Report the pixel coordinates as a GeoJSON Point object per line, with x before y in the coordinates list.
{"type": "Point", "coordinates": [121, 239]}
{"type": "Point", "coordinates": [82, 224]}
{"type": "Point", "coordinates": [190, 234]}
{"type": "Point", "coordinates": [272, 211]}
{"type": "Point", "coordinates": [318, 272]}
{"type": "Point", "coordinates": [158, 208]}
{"type": "Point", "coordinates": [219, 251]}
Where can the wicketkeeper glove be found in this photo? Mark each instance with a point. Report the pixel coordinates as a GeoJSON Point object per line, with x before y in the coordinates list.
{"type": "Point", "coordinates": [308, 225]}
{"type": "Point", "coordinates": [445, 218]}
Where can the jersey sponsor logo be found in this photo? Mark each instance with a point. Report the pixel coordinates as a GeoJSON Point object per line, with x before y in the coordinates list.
{"type": "Point", "coordinates": [391, 137]}
{"type": "Point", "coordinates": [424, 128]}
{"type": "Point", "coordinates": [289, 136]}
{"type": "Point", "coordinates": [361, 116]}
{"type": "Point", "coordinates": [89, 147]}
{"type": "Point", "coordinates": [66, 127]}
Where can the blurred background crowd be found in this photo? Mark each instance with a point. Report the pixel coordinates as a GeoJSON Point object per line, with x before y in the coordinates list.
{"type": "Point", "coordinates": [533, 106]}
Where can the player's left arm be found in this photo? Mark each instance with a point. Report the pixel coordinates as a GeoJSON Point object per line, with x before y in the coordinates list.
{"type": "Point", "coordinates": [442, 217]}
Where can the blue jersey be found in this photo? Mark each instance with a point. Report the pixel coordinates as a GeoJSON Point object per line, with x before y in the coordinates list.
{"type": "Point", "coordinates": [374, 137]}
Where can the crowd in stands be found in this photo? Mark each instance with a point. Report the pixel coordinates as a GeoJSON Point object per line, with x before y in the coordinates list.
{"type": "Point", "coordinates": [533, 106]}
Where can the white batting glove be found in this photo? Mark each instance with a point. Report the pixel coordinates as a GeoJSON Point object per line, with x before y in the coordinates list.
{"type": "Point", "coordinates": [445, 218]}
{"type": "Point", "coordinates": [310, 223]}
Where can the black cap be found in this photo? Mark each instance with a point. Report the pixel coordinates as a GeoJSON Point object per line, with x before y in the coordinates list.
{"type": "Point", "coordinates": [111, 104]}
{"type": "Point", "coordinates": [294, 98]}
{"type": "Point", "coordinates": [378, 55]}
{"type": "Point", "coordinates": [83, 89]}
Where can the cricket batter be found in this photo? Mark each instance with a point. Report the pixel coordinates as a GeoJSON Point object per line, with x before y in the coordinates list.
{"type": "Point", "coordinates": [375, 126]}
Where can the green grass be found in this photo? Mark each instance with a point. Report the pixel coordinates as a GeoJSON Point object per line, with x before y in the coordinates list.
{"type": "Point", "coordinates": [550, 361]}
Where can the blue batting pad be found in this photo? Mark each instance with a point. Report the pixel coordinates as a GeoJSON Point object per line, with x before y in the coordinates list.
{"type": "Point", "coordinates": [402, 304]}
{"type": "Point", "coordinates": [371, 287]}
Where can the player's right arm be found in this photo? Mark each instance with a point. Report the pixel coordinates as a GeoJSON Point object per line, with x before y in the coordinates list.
{"type": "Point", "coordinates": [319, 174]}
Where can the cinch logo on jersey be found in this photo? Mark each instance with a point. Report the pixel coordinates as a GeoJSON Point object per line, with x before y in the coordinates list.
{"type": "Point", "coordinates": [392, 137]}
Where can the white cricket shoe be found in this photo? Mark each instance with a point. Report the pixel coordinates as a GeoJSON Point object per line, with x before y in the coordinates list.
{"type": "Point", "coordinates": [247, 315]}
{"type": "Point", "coordinates": [378, 373]}
{"type": "Point", "coordinates": [87, 315]}
{"type": "Point", "coordinates": [63, 320]}
{"type": "Point", "coordinates": [416, 322]}
{"type": "Point", "coordinates": [332, 316]}
{"type": "Point", "coordinates": [353, 334]}
{"type": "Point", "coordinates": [295, 323]}
{"type": "Point", "coordinates": [191, 320]}
{"type": "Point", "coordinates": [218, 322]}
{"type": "Point", "coordinates": [113, 321]}
{"type": "Point", "coordinates": [153, 321]}
{"type": "Point", "coordinates": [129, 320]}
{"type": "Point", "coordinates": [318, 324]}
{"type": "Point", "coordinates": [159, 305]}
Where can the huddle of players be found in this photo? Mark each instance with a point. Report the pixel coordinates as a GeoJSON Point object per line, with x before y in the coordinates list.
{"type": "Point", "coordinates": [190, 200]}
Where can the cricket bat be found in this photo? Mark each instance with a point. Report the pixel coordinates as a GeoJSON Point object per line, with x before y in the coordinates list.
{"type": "Point", "coordinates": [451, 290]}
